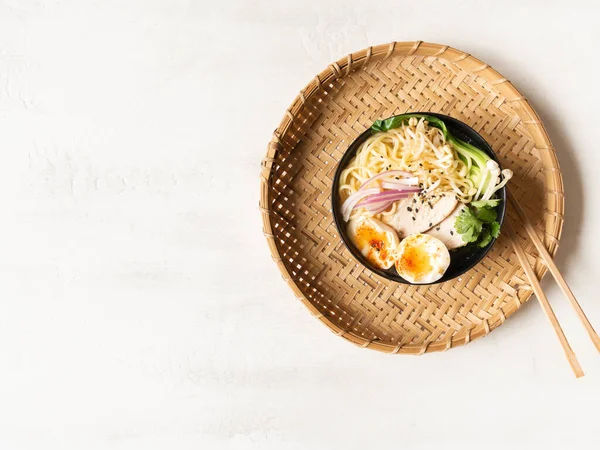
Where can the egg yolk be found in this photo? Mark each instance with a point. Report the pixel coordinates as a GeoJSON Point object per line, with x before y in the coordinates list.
{"type": "Point", "coordinates": [415, 261]}
{"type": "Point", "coordinates": [375, 241]}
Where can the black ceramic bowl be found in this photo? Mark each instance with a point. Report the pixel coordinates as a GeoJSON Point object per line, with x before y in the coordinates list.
{"type": "Point", "coordinates": [462, 259]}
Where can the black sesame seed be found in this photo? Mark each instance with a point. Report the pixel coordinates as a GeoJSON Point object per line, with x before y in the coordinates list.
{"type": "Point", "coordinates": [438, 228]}
{"type": "Point", "coordinates": [414, 218]}
{"type": "Point", "coordinates": [414, 200]}
{"type": "Point", "coordinates": [408, 208]}
{"type": "Point", "coordinates": [416, 210]}
{"type": "Point", "coordinates": [397, 178]}
{"type": "Point", "coordinates": [430, 224]}
{"type": "Point", "coordinates": [452, 232]}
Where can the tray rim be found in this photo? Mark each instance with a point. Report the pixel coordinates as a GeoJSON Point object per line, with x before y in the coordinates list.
{"type": "Point", "coordinates": [470, 64]}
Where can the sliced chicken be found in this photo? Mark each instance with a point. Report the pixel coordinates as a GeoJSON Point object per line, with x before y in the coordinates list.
{"type": "Point", "coordinates": [446, 232]}
{"type": "Point", "coordinates": [417, 214]}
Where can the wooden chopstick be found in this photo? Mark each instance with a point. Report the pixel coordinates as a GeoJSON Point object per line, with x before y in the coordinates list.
{"type": "Point", "coordinates": [541, 248]}
{"type": "Point", "coordinates": [544, 303]}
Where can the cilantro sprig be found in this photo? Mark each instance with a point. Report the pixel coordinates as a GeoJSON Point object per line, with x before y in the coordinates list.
{"type": "Point", "coordinates": [478, 224]}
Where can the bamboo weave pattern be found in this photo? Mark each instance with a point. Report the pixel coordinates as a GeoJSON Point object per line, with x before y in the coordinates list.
{"type": "Point", "coordinates": [296, 177]}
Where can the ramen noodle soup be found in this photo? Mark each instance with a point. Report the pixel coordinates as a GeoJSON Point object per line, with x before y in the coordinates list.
{"type": "Point", "coordinates": [412, 180]}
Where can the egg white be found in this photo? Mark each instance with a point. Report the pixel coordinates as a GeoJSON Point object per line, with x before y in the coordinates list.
{"type": "Point", "coordinates": [422, 258]}
{"type": "Point", "coordinates": [375, 240]}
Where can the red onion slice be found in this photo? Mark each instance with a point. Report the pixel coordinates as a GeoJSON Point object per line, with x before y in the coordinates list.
{"type": "Point", "coordinates": [376, 208]}
{"type": "Point", "coordinates": [389, 173]}
{"type": "Point", "coordinates": [351, 201]}
{"type": "Point", "coordinates": [386, 195]}
{"type": "Point", "coordinates": [400, 184]}
{"type": "Point", "coordinates": [382, 209]}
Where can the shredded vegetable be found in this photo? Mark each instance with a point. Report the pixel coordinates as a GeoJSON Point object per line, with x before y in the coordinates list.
{"type": "Point", "coordinates": [483, 171]}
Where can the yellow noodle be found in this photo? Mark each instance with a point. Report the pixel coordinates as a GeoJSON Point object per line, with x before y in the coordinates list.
{"type": "Point", "coordinates": [414, 147]}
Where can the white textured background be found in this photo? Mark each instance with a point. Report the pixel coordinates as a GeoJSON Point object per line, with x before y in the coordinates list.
{"type": "Point", "coordinates": [139, 307]}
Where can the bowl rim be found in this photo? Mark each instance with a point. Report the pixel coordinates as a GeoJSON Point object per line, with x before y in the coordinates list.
{"type": "Point", "coordinates": [340, 223]}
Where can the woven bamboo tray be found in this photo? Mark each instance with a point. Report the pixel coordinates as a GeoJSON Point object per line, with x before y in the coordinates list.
{"type": "Point", "coordinates": [296, 177]}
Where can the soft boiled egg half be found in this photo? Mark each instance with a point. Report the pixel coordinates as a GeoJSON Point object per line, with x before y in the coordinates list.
{"type": "Point", "coordinates": [422, 259]}
{"type": "Point", "coordinates": [375, 240]}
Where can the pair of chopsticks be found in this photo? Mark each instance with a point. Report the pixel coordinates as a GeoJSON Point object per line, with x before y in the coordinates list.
{"type": "Point", "coordinates": [537, 288]}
